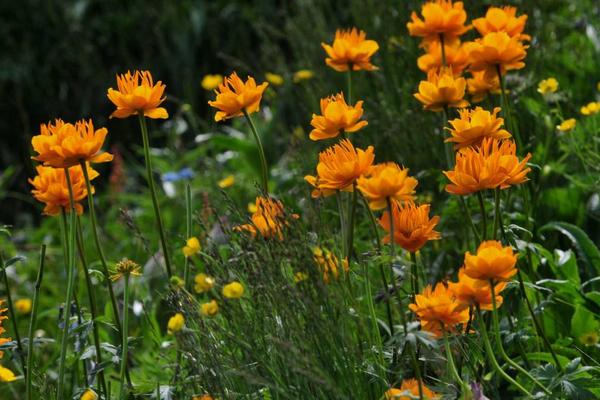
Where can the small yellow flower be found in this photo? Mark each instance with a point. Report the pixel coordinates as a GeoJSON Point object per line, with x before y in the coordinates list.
{"type": "Point", "coordinates": [23, 306]}
{"type": "Point", "coordinates": [590, 338]}
{"type": "Point", "coordinates": [300, 276]}
{"type": "Point", "coordinates": [209, 309]}
{"type": "Point", "coordinates": [203, 283]}
{"type": "Point", "coordinates": [549, 85]}
{"type": "Point", "coordinates": [192, 246]}
{"type": "Point", "coordinates": [252, 208]}
{"type": "Point", "coordinates": [567, 125]}
{"type": "Point", "coordinates": [233, 290]}
{"type": "Point", "coordinates": [226, 182]}
{"type": "Point", "coordinates": [274, 79]}
{"type": "Point", "coordinates": [211, 82]}
{"type": "Point", "coordinates": [6, 375]}
{"type": "Point", "coordinates": [175, 324]}
{"type": "Point", "coordinates": [306, 74]}
{"type": "Point", "coordinates": [89, 394]}
{"type": "Point", "coordinates": [125, 267]}
{"type": "Point", "coordinates": [591, 108]}
{"type": "Point", "coordinates": [598, 86]}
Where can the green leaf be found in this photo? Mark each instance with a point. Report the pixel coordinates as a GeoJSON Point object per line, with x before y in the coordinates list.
{"type": "Point", "coordinates": [586, 249]}
{"type": "Point", "coordinates": [583, 322]}
{"type": "Point", "coordinates": [566, 266]}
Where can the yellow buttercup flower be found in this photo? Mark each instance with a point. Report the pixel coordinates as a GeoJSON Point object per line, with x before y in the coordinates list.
{"type": "Point", "coordinates": [23, 306]}
{"type": "Point", "coordinates": [410, 386]}
{"type": "Point", "coordinates": [175, 324]}
{"type": "Point", "coordinates": [234, 97]}
{"type": "Point", "coordinates": [589, 338]}
{"type": "Point", "coordinates": [209, 309]}
{"type": "Point", "coordinates": [591, 108]}
{"type": "Point", "coordinates": [138, 94]}
{"type": "Point", "coordinates": [89, 394]}
{"type": "Point", "coordinates": [211, 82]}
{"type": "Point", "coordinates": [482, 84]}
{"type": "Point", "coordinates": [203, 283]}
{"type": "Point", "coordinates": [350, 50]}
{"type": "Point", "coordinates": [274, 79]}
{"type": "Point", "coordinates": [475, 125]}
{"type": "Point", "coordinates": [336, 117]}
{"type": "Point", "coordinates": [386, 181]}
{"type": "Point", "coordinates": [303, 75]}
{"type": "Point", "coordinates": [50, 187]}
{"type": "Point", "coordinates": [502, 19]}
{"type": "Point", "coordinates": [457, 57]}
{"type": "Point", "coordinates": [300, 276]}
{"type": "Point", "coordinates": [126, 268]}
{"type": "Point", "coordinates": [491, 262]}
{"type": "Point", "coordinates": [437, 308]}
{"type": "Point", "coordinates": [567, 125]}
{"type": "Point", "coordinates": [226, 182]}
{"type": "Point", "coordinates": [192, 246]}
{"type": "Point", "coordinates": [442, 90]}
{"type": "Point", "coordinates": [6, 375]}
{"type": "Point", "coordinates": [546, 86]}
{"type": "Point", "coordinates": [440, 17]}
{"type": "Point", "coordinates": [412, 226]}
{"type": "Point", "coordinates": [63, 145]}
{"type": "Point", "coordinates": [233, 290]}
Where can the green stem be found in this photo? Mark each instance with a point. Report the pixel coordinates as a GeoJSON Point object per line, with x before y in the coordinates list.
{"type": "Point", "coordinates": [340, 205]}
{"type": "Point", "coordinates": [124, 344]}
{"type": "Point", "coordinates": [505, 356]}
{"type": "Point", "coordinates": [496, 213]}
{"type": "Point", "coordinates": [375, 328]}
{"type": "Point", "coordinates": [188, 232]}
{"type": "Point", "coordinates": [417, 368]}
{"type": "Point", "coordinates": [470, 218]}
{"type": "Point", "coordinates": [32, 322]}
{"type": "Point", "coordinates": [414, 273]}
{"type": "Point", "coordinates": [159, 223]}
{"type": "Point", "coordinates": [448, 147]}
{"type": "Point", "coordinates": [13, 317]}
{"type": "Point", "coordinates": [393, 254]}
{"type": "Point", "coordinates": [261, 153]}
{"type": "Point", "coordinates": [350, 227]}
{"type": "Point", "coordinates": [452, 366]}
{"type": "Point", "coordinates": [373, 222]}
{"type": "Point", "coordinates": [483, 214]}
{"type": "Point", "coordinates": [70, 247]}
{"type": "Point", "coordinates": [492, 357]}
{"type": "Point", "coordinates": [504, 99]}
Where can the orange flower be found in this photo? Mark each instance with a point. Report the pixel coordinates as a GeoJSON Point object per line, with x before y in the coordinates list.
{"type": "Point", "coordinates": [235, 96]}
{"type": "Point", "coordinates": [475, 125]}
{"type": "Point", "coordinates": [350, 49]}
{"type": "Point", "coordinates": [50, 187]}
{"type": "Point", "coordinates": [442, 90]}
{"type": "Point", "coordinates": [492, 262]}
{"type": "Point", "coordinates": [473, 292]}
{"type": "Point", "coordinates": [457, 57]}
{"type": "Point", "coordinates": [440, 17]}
{"type": "Point", "coordinates": [328, 263]}
{"type": "Point", "coordinates": [268, 219]}
{"type": "Point", "coordinates": [336, 117]}
{"type": "Point", "coordinates": [439, 307]}
{"type": "Point", "coordinates": [63, 145]}
{"type": "Point", "coordinates": [493, 164]}
{"type": "Point", "coordinates": [497, 49]}
{"type": "Point", "coordinates": [386, 181]}
{"type": "Point", "coordinates": [481, 84]}
{"type": "Point", "coordinates": [339, 167]}
{"type": "Point", "coordinates": [412, 226]}
{"type": "Point", "coordinates": [410, 386]}
{"type": "Point", "coordinates": [503, 19]}
{"type": "Point", "coordinates": [137, 93]}
{"type": "Point", "coordinates": [2, 329]}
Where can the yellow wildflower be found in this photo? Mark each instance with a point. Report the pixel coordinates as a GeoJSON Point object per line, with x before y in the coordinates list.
{"type": "Point", "coordinates": [549, 85]}
{"type": "Point", "coordinates": [211, 82]}
{"type": "Point", "coordinates": [209, 309]}
{"type": "Point", "coordinates": [226, 182]}
{"type": "Point", "coordinates": [176, 323]}
{"type": "Point", "coordinates": [203, 283]}
{"type": "Point", "coordinates": [192, 246]}
{"type": "Point", "coordinates": [567, 125]}
{"type": "Point", "coordinates": [233, 290]}
{"type": "Point", "coordinates": [6, 375]}
{"type": "Point", "coordinates": [305, 74]}
{"type": "Point", "coordinates": [23, 306]}
{"type": "Point", "coordinates": [274, 79]}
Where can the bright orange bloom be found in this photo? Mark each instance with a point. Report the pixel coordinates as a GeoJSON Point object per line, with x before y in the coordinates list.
{"type": "Point", "coordinates": [328, 263]}
{"type": "Point", "coordinates": [235, 96]}
{"type": "Point", "coordinates": [410, 386]}
{"type": "Point", "coordinates": [475, 125]}
{"type": "Point", "coordinates": [502, 19]}
{"type": "Point", "coordinates": [497, 49]}
{"type": "Point", "coordinates": [440, 17]}
{"type": "Point", "coordinates": [50, 187]}
{"type": "Point", "coordinates": [442, 90]}
{"type": "Point", "coordinates": [2, 329]}
{"type": "Point", "coordinates": [336, 117]}
{"type": "Point", "coordinates": [493, 164]}
{"type": "Point", "coordinates": [492, 262]}
{"type": "Point", "coordinates": [457, 57]}
{"type": "Point", "coordinates": [473, 292]}
{"type": "Point", "coordinates": [412, 225]}
{"type": "Point", "coordinates": [339, 167]}
{"type": "Point", "coordinates": [350, 49]}
{"type": "Point", "coordinates": [386, 181]}
{"type": "Point", "coordinates": [63, 145]}
{"type": "Point", "coordinates": [137, 93]}
{"type": "Point", "coordinates": [439, 307]}
{"type": "Point", "coordinates": [482, 84]}
{"type": "Point", "coordinates": [268, 220]}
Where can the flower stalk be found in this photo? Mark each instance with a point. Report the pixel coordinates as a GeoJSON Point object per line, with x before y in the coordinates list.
{"type": "Point", "coordinates": [32, 322]}
{"type": "Point", "coordinates": [261, 153]}
{"type": "Point", "coordinates": [124, 342]}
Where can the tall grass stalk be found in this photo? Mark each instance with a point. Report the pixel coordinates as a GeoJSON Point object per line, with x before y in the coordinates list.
{"type": "Point", "coordinates": [261, 153]}
{"type": "Point", "coordinates": [124, 342]}
{"type": "Point", "coordinates": [32, 322]}
{"type": "Point", "coordinates": [13, 316]}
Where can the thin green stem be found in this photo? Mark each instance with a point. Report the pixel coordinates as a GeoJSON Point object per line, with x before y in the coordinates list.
{"type": "Point", "coordinates": [452, 366]}
{"type": "Point", "coordinates": [496, 327]}
{"type": "Point", "coordinates": [492, 357]}
{"type": "Point", "coordinates": [483, 214]}
{"type": "Point", "coordinates": [350, 227]}
{"type": "Point", "coordinates": [188, 232]}
{"type": "Point", "coordinates": [158, 217]}
{"type": "Point", "coordinates": [375, 328]}
{"type": "Point", "coordinates": [70, 247]}
{"type": "Point", "coordinates": [32, 322]}
{"type": "Point", "coordinates": [373, 222]}
{"type": "Point", "coordinates": [508, 112]}
{"type": "Point", "coordinates": [414, 273]}
{"type": "Point", "coordinates": [393, 253]}
{"type": "Point", "coordinates": [496, 213]}
{"type": "Point", "coordinates": [417, 368]}
{"type": "Point", "coordinates": [261, 153]}
{"type": "Point", "coordinates": [13, 317]}
{"type": "Point", "coordinates": [124, 342]}
{"type": "Point", "coordinates": [338, 196]}
{"type": "Point", "coordinates": [470, 218]}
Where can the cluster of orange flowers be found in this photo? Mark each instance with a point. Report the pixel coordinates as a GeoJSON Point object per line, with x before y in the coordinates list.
{"type": "Point", "coordinates": [6, 375]}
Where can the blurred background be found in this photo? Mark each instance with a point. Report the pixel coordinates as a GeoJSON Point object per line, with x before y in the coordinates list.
{"type": "Point", "coordinates": [58, 59]}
